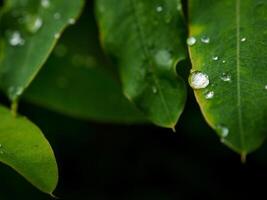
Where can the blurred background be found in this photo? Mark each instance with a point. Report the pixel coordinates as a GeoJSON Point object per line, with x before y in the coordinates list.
{"type": "Point", "coordinates": [102, 161]}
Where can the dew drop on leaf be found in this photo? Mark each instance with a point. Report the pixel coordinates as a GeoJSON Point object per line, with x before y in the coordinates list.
{"type": "Point", "coordinates": [45, 3]}
{"type": "Point", "coordinates": [14, 92]}
{"type": "Point", "coordinates": [163, 58]}
{"type": "Point", "coordinates": [154, 90]}
{"type": "Point", "coordinates": [159, 9]}
{"type": "Point", "coordinates": [34, 24]}
{"type": "Point", "coordinates": [57, 16]}
{"type": "Point", "coordinates": [16, 39]}
{"type": "Point", "coordinates": [209, 95]}
{"type": "Point", "coordinates": [265, 87]}
{"type": "Point", "coordinates": [215, 58]}
{"type": "Point", "coordinates": [198, 80]}
{"type": "Point", "coordinates": [226, 77]}
{"type": "Point", "coordinates": [223, 61]}
{"type": "Point", "coordinates": [191, 41]}
{"type": "Point", "coordinates": [223, 131]}
{"type": "Point", "coordinates": [243, 39]}
{"type": "Point", "coordinates": [56, 35]}
{"type": "Point", "coordinates": [205, 39]}
{"type": "Point", "coordinates": [71, 21]}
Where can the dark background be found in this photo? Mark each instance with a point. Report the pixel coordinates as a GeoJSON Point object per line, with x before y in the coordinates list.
{"type": "Point", "coordinates": [101, 161]}
{"type": "Point", "coordinates": [139, 162]}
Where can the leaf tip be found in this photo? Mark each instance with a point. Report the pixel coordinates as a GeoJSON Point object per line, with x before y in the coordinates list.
{"type": "Point", "coordinates": [243, 157]}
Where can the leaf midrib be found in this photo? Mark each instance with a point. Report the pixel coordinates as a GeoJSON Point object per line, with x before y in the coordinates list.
{"type": "Point", "coordinates": [240, 117]}
{"type": "Point", "coordinates": [149, 56]}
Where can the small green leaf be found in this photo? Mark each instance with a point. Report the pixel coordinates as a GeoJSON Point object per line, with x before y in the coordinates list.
{"type": "Point", "coordinates": [230, 49]}
{"type": "Point", "coordinates": [77, 79]}
{"type": "Point", "coordinates": [29, 30]}
{"type": "Point", "coordinates": [145, 38]}
{"type": "Point", "coordinates": [24, 148]}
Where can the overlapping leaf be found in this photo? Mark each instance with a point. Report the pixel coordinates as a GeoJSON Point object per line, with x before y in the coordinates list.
{"type": "Point", "coordinates": [146, 40]}
{"type": "Point", "coordinates": [231, 50]}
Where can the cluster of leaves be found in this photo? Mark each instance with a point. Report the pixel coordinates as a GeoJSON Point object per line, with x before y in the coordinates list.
{"type": "Point", "coordinates": [144, 41]}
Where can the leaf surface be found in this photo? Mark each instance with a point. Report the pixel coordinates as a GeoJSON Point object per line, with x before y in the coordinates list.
{"type": "Point", "coordinates": [78, 80]}
{"type": "Point", "coordinates": [24, 148]}
{"type": "Point", "coordinates": [146, 40]}
{"type": "Point", "coordinates": [234, 60]}
{"type": "Point", "coordinates": [29, 30]}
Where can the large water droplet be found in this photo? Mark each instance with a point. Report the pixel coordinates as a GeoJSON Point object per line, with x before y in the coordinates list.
{"type": "Point", "coordinates": [16, 39]}
{"type": "Point", "coordinates": [191, 41]}
{"type": "Point", "coordinates": [226, 77]}
{"type": "Point", "coordinates": [205, 39]}
{"type": "Point", "coordinates": [209, 95]}
{"type": "Point", "coordinates": [198, 80]}
{"type": "Point", "coordinates": [163, 58]}
{"type": "Point", "coordinates": [14, 92]}
{"type": "Point", "coordinates": [45, 3]}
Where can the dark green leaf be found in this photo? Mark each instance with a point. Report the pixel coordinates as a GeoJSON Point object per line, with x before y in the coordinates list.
{"type": "Point", "coordinates": [77, 79]}
{"type": "Point", "coordinates": [234, 60]}
{"type": "Point", "coordinates": [24, 148]}
{"type": "Point", "coordinates": [29, 30]}
{"type": "Point", "coordinates": [145, 38]}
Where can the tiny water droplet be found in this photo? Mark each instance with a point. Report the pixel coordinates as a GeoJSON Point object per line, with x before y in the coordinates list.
{"type": "Point", "coordinates": [45, 3]}
{"type": "Point", "coordinates": [215, 58]}
{"type": "Point", "coordinates": [243, 39]}
{"type": "Point", "coordinates": [205, 39]}
{"type": "Point", "coordinates": [209, 95]}
{"type": "Point", "coordinates": [223, 61]}
{"type": "Point", "coordinates": [198, 80]}
{"type": "Point", "coordinates": [34, 24]}
{"type": "Point", "coordinates": [71, 21]}
{"type": "Point", "coordinates": [56, 35]}
{"type": "Point", "coordinates": [14, 92]}
{"type": "Point", "coordinates": [226, 77]}
{"type": "Point", "coordinates": [223, 131]}
{"type": "Point", "coordinates": [154, 90]}
{"type": "Point", "coordinates": [179, 7]}
{"type": "Point", "coordinates": [191, 41]}
{"type": "Point", "coordinates": [57, 16]}
{"type": "Point", "coordinates": [265, 87]}
{"type": "Point", "coordinates": [159, 9]}
{"type": "Point", "coordinates": [163, 58]}
{"type": "Point", "coordinates": [16, 39]}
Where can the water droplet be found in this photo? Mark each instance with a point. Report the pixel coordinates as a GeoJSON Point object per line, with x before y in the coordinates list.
{"type": "Point", "coordinates": [71, 21]}
{"type": "Point", "coordinates": [179, 7]}
{"type": "Point", "coordinates": [154, 90]}
{"type": "Point", "coordinates": [56, 35]}
{"type": "Point", "coordinates": [226, 77]}
{"type": "Point", "coordinates": [205, 39]}
{"type": "Point", "coordinates": [159, 9]}
{"type": "Point", "coordinates": [223, 131]}
{"type": "Point", "coordinates": [14, 92]}
{"type": "Point", "coordinates": [209, 95]}
{"type": "Point", "coordinates": [265, 87]}
{"type": "Point", "coordinates": [191, 41]}
{"type": "Point", "coordinates": [57, 16]}
{"type": "Point", "coordinates": [1, 152]}
{"type": "Point", "coordinates": [16, 39]}
{"type": "Point", "coordinates": [223, 61]}
{"type": "Point", "coordinates": [34, 24]}
{"type": "Point", "coordinates": [163, 58]}
{"type": "Point", "coordinates": [215, 58]}
{"type": "Point", "coordinates": [45, 3]}
{"type": "Point", "coordinates": [243, 39]}
{"type": "Point", "coordinates": [198, 80]}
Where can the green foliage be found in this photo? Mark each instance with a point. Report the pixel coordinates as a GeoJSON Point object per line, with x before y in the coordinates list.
{"type": "Point", "coordinates": [136, 81]}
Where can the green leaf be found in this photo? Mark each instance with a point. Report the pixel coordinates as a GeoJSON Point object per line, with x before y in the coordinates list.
{"type": "Point", "coordinates": [29, 30]}
{"type": "Point", "coordinates": [145, 38]}
{"type": "Point", "coordinates": [24, 148]}
{"type": "Point", "coordinates": [77, 79]}
{"type": "Point", "coordinates": [234, 60]}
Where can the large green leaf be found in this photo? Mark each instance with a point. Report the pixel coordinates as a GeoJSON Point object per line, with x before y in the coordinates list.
{"type": "Point", "coordinates": [145, 38]}
{"type": "Point", "coordinates": [29, 30]}
{"type": "Point", "coordinates": [230, 48]}
{"type": "Point", "coordinates": [24, 148]}
{"type": "Point", "coordinates": [77, 79]}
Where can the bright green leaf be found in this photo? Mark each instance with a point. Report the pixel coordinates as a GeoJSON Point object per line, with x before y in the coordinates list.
{"type": "Point", "coordinates": [234, 61]}
{"type": "Point", "coordinates": [29, 30]}
{"type": "Point", "coordinates": [24, 148]}
{"type": "Point", "coordinates": [146, 40]}
{"type": "Point", "coordinates": [77, 79]}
